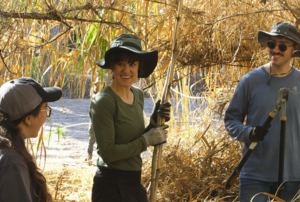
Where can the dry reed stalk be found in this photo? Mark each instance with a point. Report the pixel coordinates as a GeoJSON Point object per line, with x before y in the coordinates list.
{"type": "Point", "coordinates": [157, 154]}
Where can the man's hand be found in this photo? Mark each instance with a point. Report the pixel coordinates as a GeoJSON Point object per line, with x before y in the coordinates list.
{"type": "Point", "coordinates": [258, 133]}
{"type": "Point", "coordinates": [163, 111]}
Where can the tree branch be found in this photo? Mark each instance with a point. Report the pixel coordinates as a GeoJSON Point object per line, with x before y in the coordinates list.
{"type": "Point", "coordinates": [50, 16]}
{"type": "Point", "coordinates": [2, 58]}
{"type": "Point", "coordinates": [295, 13]}
{"type": "Point", "coordinates": [89, 6]}
{"type": "Point", "coordinates": [231, 16]}
{"type": "Point", "coordinates": [54, 38]}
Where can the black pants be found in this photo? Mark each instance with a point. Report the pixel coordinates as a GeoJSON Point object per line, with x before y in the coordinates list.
{"type": "Point", "coordinates": [118, 186]}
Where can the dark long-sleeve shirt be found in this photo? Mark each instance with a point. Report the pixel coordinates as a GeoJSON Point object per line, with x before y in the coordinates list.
{"type": "Point", "coordinates": [118, 130]}
{"type": "Point", "coordinates": [15, 182]}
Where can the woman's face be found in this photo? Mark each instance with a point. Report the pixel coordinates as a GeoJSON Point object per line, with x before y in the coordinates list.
{"type": "Point", "coordinates": [35, 123]}
{"type": "Point", "coordinates": [125, 74]}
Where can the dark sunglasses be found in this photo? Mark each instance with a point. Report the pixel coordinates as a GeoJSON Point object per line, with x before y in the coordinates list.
{"type": "Point", "coordinates": [282, 47]}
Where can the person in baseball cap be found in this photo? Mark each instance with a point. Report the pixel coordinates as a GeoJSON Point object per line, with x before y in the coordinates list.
{"type": "Point", "coordinates": [254, 98]}
{"type": "Point", "coordinates": [23, 110]}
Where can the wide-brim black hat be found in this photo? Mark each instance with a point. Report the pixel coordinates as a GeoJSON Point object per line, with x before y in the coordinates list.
{"type": "Point", "coordinates": [132, 43]}
{"type": "Point", "coordinates": [283, 29]}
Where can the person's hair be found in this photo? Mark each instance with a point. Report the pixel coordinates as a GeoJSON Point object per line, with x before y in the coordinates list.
{"type": "Point", "coordinates": [120, 55]}
{"type": "Point", "coordinates": [10, 137]}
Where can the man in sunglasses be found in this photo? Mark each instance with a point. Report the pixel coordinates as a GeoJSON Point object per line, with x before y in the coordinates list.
{"type": "Point", "coordinates": [254, 98]}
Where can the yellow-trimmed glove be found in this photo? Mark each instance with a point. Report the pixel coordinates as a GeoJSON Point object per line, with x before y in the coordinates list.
{"type": "Point", "coordinates": [258, 133]}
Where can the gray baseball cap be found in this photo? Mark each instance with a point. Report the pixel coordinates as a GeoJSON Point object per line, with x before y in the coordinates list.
{"type": "Point", "coordinates": [20, 96]}
{"type": "Point", "coordinates": [132, 43]}
{"type": "Point", "coordinates": [284, 29]}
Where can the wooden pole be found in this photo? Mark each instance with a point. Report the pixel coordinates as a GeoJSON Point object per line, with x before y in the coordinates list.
{"type": "Point", "coordinates": [157, 153]}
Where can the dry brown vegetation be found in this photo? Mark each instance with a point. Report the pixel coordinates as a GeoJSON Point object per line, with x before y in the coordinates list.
{"type": "Point", "coordinates": [57, 42]}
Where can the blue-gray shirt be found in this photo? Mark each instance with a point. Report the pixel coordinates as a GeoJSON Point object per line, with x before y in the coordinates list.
{"type": "Point", "coordinates": [254, 99]}
{"type": "Point", "coordinates": [15, 183]}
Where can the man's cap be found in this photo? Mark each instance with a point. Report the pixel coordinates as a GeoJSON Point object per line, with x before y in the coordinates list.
{"type": "Point", "coordinates": [19, 97]}
{"type": "Point", "coordinates": [284, 29]}
{"type": "Point", "coordinates": [132, 43]}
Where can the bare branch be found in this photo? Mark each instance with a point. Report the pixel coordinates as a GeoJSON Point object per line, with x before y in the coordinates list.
{"type": "Point", "coordinates": [2, 58]}
{"type": "Point", "coordinates": [295, 13]}
{"type": "Point", "coordinates": [236, 15]}
{"type": "Point", "coordinates": [69, 28]}
{"type": "Point", "coordinates": [89, 6]}
{"type": "Point", "coordinates": [50, 16]}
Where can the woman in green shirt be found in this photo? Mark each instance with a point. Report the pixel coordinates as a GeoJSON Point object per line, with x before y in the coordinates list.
{"type": "Point", "coordinates": [117, 117]}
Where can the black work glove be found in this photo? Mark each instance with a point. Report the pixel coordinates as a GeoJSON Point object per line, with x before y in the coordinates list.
{"type": "Point", "coordinates": [163, 111]}
{"type": "Point", "coordinates": [258, 133]}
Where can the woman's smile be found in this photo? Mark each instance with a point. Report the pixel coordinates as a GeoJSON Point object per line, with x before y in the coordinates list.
{"type": "Point", "coordinates": [126, 77]}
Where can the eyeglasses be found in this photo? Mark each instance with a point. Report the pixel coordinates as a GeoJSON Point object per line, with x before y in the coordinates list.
{"type": "Point", "coordinates": [282, 47]}
{"type": "Point", "coordinates": [47, 110]}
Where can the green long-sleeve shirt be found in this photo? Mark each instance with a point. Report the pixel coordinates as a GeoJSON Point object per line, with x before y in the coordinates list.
{"type": "Point", "coordinates": [118, 129]}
